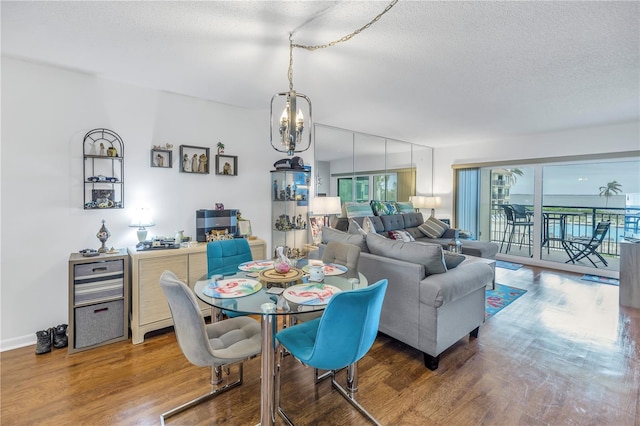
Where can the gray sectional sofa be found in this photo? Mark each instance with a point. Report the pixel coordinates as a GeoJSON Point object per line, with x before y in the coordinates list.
{"type": "Point", "coordinates": [433, 298]}
{"type": "Point", "coordinates": [410, 223]}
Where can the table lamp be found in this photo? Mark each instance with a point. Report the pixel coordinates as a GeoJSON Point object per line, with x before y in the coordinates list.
{"type": "Point", "coordinates": [423, 202]}
{"type": "Point", "coordinates": [141, 220]}
{"type": "Point", "coordinates": [325, 206]}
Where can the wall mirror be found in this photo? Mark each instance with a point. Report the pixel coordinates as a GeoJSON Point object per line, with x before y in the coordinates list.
{"type": "Point", "coordinates": [357, 166]}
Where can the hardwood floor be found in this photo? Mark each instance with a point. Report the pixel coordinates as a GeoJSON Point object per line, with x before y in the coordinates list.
{"type": "Point", "coordinates": [564, 353]}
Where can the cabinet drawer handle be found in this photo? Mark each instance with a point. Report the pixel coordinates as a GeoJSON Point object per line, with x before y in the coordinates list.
{"type": "Point", "coordinates": [100, 268]}
{"type": "Point", "coordinates": [100, 310]}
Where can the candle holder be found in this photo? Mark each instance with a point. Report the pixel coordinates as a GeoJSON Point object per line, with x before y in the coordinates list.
{"type": "Point", "coordinates": [103, 235]}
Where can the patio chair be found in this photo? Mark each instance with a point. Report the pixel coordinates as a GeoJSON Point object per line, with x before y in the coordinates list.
{"type": "Point", "coordinates": [517, 218]}
{"type": "Point", "coordinates": [584, 247]}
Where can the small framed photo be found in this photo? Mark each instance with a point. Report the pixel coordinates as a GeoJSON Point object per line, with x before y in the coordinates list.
{"type": "Point", "coordinates": [162, 158]}
{"type": "Point", "coordinates": [316, 223]}
{"type": "Point", "coordinates": [244, 228]}
{"type": "Point", "coordinates": [227, 165]}
{"type": "Point", "coordinates": [194, 159]}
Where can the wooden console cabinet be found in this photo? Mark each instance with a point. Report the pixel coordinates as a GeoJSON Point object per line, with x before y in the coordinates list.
{"type": "Point", "coordinates": [149, 308]}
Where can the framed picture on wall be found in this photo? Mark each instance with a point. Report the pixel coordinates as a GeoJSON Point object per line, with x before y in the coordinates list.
{"type": "Point", "coordinates": [162, 158]}
{"type": "Point", "coordinates": [244, 228]}
{"type": "Point", "coordinates": [194, 159]}
{"type": "Point", "coordinates": [227, 165]}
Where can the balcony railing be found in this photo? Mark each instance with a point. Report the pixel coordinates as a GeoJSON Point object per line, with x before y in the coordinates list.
{"type": "Point", "coordinates": [580, 222]}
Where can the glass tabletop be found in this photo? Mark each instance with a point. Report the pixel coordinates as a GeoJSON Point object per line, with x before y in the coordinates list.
{"type": "Point", "coordinates": [282, 303]}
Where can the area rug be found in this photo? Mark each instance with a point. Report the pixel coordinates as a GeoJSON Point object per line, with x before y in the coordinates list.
{"type": "Point", "coordinates": [508, 265]}
{"type": "Point", "coordinates": [601, 280]}
{"type": "Point", "coordinates": [498, 299]}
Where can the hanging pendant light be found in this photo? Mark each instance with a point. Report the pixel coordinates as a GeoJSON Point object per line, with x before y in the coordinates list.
{"type": "Point", "coordinates": [289, 137]}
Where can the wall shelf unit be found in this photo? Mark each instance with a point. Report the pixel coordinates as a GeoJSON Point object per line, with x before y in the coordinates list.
{"type": "Point", "coordinates": [103, 170]}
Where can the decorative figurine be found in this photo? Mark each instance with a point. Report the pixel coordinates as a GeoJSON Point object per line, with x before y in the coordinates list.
{"type": "Point", "coordinates": [220, 146]}
{"type": "Point", "coordinates": [275, 189]}
{"type": "Point", "coordinates": [203, 163]}
{"type": "Point", "coordinates": [194, 163]}
{"type": "Point", "coordinates": [185, 163]}
{"type": "Point", "coordinates": [102, 149]}
{"type": "Point", "coordinates": [103, 235]}
{"type": "Point", "coordinates": [112, 152]}
{"type": "Point", "coordinates": [288, 193]}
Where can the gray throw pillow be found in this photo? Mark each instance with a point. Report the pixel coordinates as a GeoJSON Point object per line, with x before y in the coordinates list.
{"type": "Point", "coordinates": [428, 255]}
{"type": "Point", "coordinates": [433, 228]}
{"type": "Point", "coordinates": [330, 234]}
{"type": "Point", "coordinates": [452, 259]}
{"type": "Point", "coordinates": [354, 228]}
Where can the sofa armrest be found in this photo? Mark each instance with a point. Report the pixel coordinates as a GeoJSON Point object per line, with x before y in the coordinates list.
{"type": "Point", "coordinates": [439, 289]}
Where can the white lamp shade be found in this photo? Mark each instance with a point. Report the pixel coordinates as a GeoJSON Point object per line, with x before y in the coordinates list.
{"type": "Point", "coordinates": [326, 205]}
{"type": "Point", "coordinates": [423, 202]}
{"type": "Point", "coordinates": [141, 219]}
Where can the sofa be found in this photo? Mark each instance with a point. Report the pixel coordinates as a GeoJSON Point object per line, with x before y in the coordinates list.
{"type": "Point", "coordinates": [433, 298]}
{"type": "Point", "coordinates": [411, 223]}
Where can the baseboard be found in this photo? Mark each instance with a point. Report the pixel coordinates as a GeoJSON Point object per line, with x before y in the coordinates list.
{"type": "Point", "coordinates": [17, 342]}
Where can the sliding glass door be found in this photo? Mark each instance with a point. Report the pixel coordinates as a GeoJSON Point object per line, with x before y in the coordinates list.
{"type": "Point", "coordinates": [549, 212]}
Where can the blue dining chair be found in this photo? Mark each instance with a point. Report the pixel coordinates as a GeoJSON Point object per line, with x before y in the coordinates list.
{"type": "Point", "coordinates": [339, 338]}
{"type": "Point", "coordinates": [223, 258]}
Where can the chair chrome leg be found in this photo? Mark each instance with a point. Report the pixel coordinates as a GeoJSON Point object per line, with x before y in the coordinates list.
{"type": "Point", "coordinates": [205, 397]}
{"type": "Point", "coordinates": [352, 378]}
{"type": "Point", "coordinates": [349, 397]}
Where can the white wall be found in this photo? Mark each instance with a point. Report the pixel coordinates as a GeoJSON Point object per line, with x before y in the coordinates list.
{"type": "Point", "coordinates": [593, 140]}
{"type": "Point", "coordinates": [46, 112]}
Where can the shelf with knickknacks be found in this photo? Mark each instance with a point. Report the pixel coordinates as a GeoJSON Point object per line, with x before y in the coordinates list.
{"type": "Point", "coordinates": [103, 170]}
{"type": "Point", "coordinates": [290, 208]}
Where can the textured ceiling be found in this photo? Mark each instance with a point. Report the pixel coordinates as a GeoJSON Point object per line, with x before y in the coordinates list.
{"type": "Point", "coordinates": [434, 73]}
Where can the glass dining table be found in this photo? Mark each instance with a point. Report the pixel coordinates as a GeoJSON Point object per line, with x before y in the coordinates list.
{"type": "Point", "coordinates": [259, 297]}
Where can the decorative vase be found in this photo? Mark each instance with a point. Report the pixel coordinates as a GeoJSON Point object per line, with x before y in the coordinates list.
{"type": "Point", "coordinates": [103, 235]}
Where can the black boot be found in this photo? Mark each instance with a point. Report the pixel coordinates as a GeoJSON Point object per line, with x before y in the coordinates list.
{"type": "Point", "coordinates": [60, 339]}
{"type": "Point", "coordinates": [44, 341]}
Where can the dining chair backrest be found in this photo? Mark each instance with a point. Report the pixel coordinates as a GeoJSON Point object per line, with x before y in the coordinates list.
{"type": "Point", "coordinates": [187, 320]}
{"type": "Point", "coordinates": [509, 213]}
{"type": "Point", "coordinates": [224, 256]}
{"type": "Point", "coordinates": [348, 327]}
{"type": "Point", "coordinates": [341, 253]}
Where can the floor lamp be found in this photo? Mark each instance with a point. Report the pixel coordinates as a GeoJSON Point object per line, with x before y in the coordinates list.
{"type": "Point", "coordinates": [424, 202]}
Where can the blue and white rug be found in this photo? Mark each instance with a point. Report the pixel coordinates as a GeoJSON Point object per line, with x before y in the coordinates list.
{"type": "Point", "coordinates": [508, 265]}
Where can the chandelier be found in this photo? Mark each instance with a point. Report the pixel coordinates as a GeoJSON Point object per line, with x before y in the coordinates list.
{"type": "Point", "coordinates": [289, 137]}
{"type": "Point", "coordinates": [291, 124]}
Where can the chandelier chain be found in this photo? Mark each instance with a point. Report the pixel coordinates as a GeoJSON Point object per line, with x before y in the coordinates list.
{"type": "Point", "coordinates": [348, 36]}
{"type": "Point", "coordinates": [330, 44]}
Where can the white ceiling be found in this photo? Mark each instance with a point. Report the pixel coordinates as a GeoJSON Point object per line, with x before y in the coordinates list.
{"type": "Point", "coordinates": [435, 73]}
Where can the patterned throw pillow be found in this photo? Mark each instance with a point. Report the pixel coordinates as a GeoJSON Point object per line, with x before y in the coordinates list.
{"type": "Point", "coordinates": [401, 235]}
{"type": "Point", "coordinates": [433, 228]}
{"type": "Point", "coordinates": [383, 208]}
{"type": "Point", "coordinates": [405, 207]}
{"type": "Point", "coordinates": [368, 226]}
{"type": "Point", "coordinates": [354, 209]}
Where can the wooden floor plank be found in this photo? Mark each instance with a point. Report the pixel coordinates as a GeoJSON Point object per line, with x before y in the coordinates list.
{"type": "Point", "coordinates": [564, 353]}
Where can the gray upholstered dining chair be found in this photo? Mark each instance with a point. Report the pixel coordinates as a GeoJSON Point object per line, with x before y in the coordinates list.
{"type": "Point", "coordinates": [218, 345]}
{"type": "Point", "coordinates": [343, 254]}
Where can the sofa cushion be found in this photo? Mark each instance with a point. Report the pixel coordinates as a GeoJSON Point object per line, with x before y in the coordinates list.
{"type": "Point", "coordinates": [330, 234]}
{"type": "Point", "coordinates": [353, 209]}
{"type": "Point", "coordinates": [428, 255]}
{"type": "Point", "coordinates": [401, 235]}
{"type": "Point", "coordinates": [393, 222]}
{"type": "Point", "coordinates": [433, 228]}
{"type": "Point", "coordinates": [368, 226]}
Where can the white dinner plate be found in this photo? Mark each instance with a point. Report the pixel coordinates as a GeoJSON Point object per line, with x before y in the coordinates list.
{"type": "Point", "coordinates": [229, 288]}
{"type": "Point", "coordinates": [312, 294]}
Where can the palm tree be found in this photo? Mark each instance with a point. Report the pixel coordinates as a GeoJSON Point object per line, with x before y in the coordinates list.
{"type": "Point", "coordinates": [611, 189]}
